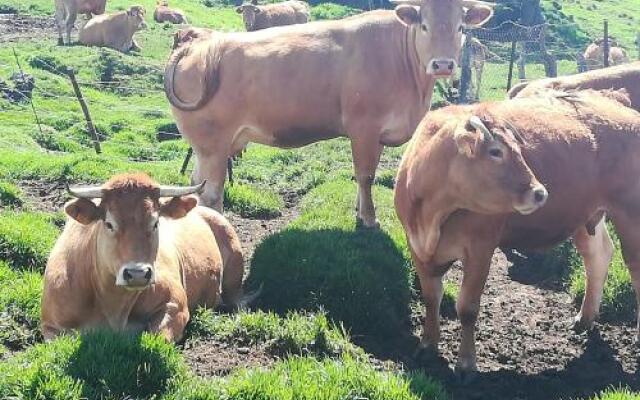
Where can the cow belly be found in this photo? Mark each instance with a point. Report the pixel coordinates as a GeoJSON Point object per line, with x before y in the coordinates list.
{"type": "Point", "coordinates": [301, 136]}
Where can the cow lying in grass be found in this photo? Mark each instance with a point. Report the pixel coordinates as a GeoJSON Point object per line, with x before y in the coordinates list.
{"type": "Point", "coordinates": [468, 183]}
{"type": "Point", "coordinates": [143, 257]}
{"type": "Point", "coordinates": [256, 17]}
{"type": "Point", "coordinates": [114, 30]}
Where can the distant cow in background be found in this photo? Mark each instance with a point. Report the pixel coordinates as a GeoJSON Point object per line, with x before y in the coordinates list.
{"type": "Point", "coordinates": [67, 11]}
{"type": "Point", "coordinates": [163, 13]}
{"type": "Point", "coordinates": [256, 17]}
{"type": "Point", "coordinates": [135, 255]}
{"type": "Point", "coordinates": [594, 54]}
{"type": "Point", "coordinates": [114, 30]}
{"type": "Point", "coordinates": [369, 77]}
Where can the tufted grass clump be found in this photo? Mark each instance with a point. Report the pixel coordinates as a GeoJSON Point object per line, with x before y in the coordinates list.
{"type": "Point", "coordinates": [10, 195]}
{"type": "Point", "coordinates": [97, 365]}
{"type": "Point", "coordinates": [26, 239]}
{"type": "Point", "coordinates": [250, 202]}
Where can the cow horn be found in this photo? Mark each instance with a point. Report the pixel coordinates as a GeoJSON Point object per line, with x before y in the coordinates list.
{"type": "Point", "coordinates": [472, 3]}
{"type": "Point", "coordinates": [477, 123]}
{"type": "Point", "coordinates": [92, 192]}
{"type": "Point", "coordinates": [514, 131]}
{"type": "Point", "coordinates": [177, 191]}
{"type": "Point", "coordinates": [407, 2]}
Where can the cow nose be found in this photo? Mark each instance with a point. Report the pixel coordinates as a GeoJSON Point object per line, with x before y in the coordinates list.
{"type": "Point", "coordinates": [442, 67]}
{"type": "Point", "coordinates": [136, 275]}
{"type": "Point", "coordinates": [540, 195]}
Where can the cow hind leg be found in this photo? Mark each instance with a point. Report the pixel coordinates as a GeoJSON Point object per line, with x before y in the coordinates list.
{"type": "Point", "coordinates": [61, 17]}
{"type": "Point", "coordinates": [69, 24]}
{"type": "Point", "coordinates": [212, 168]}
{"type": "Point", "coordinates": [627, 227]}
{"type": "Point", "coordinates": [596, 251]}
{"type": "Point", "coordinates": [366, 155]}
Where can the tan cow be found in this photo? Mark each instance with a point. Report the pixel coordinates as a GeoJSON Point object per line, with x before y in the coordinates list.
{"type": "Point", "coordinates": [368, 77]}
{"type": "Point", "coordinates": [257, 17]}
{"type": "Point", "coordinates": [594, 54]}
{"type": "Point", "coordinates": [463, 189]}
{"type": "Point", "coordinates": [67, 11]}
{"type": "Point", "coordinates": [163, 13]}
{"type": "Point", "coordinates": [624, 76]}
{"type": "Point", "coordinates": [114, 30]}
{"type": "Point", "coordinates": [142, 257]}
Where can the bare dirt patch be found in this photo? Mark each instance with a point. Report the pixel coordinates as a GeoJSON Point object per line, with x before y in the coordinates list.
{"type": "Point", "coordinates": [16, 27]}
{"type": "Point", "coordinates": [210, 358]}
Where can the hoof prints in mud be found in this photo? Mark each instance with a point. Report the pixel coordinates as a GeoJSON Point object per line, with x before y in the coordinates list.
{"type": "Point", "coordinates": [14, 27]}
{"type": "Point", "coordinates": [209, 358]}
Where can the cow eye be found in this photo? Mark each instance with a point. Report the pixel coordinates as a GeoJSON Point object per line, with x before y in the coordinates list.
{"type": "Point", "coordinates": [424, 28]}
{"type": "Point", "coordinates": [496, 153]}
{"type": "Point", "coordinates": [460, 28]}
{"type": "Point", "coordinates": [109, 226]}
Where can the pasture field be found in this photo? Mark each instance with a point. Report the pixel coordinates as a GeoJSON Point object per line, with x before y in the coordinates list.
{"type": "Point", "coordinates": [340, 313]}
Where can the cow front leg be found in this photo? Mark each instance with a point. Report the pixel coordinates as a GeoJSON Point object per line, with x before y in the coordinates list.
{"type": "Point", "coordinates": [170, 321]}
{"type": "Point", "coordinates": [432, 290]}
{"type": "Point", "coordinates": [596, 251]}
{"type": "Point", "coordinates": [475, 272]}
{"type": "Point", "coordinates": [69, 24]}
{"type": "Point", "coordinates": [212, 168]}
{"type": "Point", "coordinates": [60, 24]}
{"type": "Point", "coordinates": [366, 155]}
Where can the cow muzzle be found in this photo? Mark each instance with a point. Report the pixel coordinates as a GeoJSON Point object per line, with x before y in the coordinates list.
{"type": "Point", "coordinates": [136, 276]}
{"type": "Point", "coordinates": [441, 67]}
{"type": "Point", "coordinates": [533, 199]}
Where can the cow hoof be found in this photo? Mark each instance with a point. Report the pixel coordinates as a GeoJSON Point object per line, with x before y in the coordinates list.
{"type": "Point", "coordinates": [426, 354]}
{"type": "Point", "coordinates": [465, 377]}
{"type": "Point", "coordinates": [581, 326]}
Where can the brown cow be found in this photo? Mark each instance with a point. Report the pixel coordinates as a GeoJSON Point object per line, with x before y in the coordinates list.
{"type": "Point", "coordinates": [459, 184]}
{"type": "Point", "coordinates": [67, 11]}
{"type": "Point", "coordinates": [594, 54]}
{"type": "Point", "coordinates": [114, 30]}
{"type": "Point", "coordinates": [368, 77]}
{"type": "Point", "coordinates": [257, 17]}
{"type": "Point", "coordinates": [163, 13]}
{"type": "Point", "coordinates": [624, 76]}
{"type": "Point", "coordinates": [143, 257]}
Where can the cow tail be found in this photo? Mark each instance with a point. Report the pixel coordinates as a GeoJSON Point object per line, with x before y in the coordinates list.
{"type": "Point", "coordinates": [210, 78]}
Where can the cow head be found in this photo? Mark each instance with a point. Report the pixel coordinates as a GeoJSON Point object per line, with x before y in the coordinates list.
{"type": "Point", "coordinates": [249, 12]}
{"type": "Point", "coordinates": [126, 219]}
{"type": "Point", "coordinates": [135, 17]}
{"type": "Point", "coordinates": [186, 35]}
{"type": "Point", "coordinates": [490, 171]}
{"type": "Point", "coordinates": [437, 27]}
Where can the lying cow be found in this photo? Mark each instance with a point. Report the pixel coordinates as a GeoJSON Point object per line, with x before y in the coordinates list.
{"type": "Point", "coordinates": [368, 77]}
{"type": "Point", "coordinates": [257, 17]}
{"type": "Point", "coordinates": [470, 181]}
{"type": "Point", "coordinates": [163, 13]}
{"type": "Point", "coordinates": [114, 30]}
{"type": "Point", "coordinates": [594, 54]}
{"type": "Point", "coordinates": [67, 11]}
{"type": "Point", "coordinates": [624, 76]}
{"type": "Point", "coordinates": [142, 257]}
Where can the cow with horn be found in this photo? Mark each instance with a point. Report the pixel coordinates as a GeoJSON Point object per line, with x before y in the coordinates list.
{"type": "Point", "coordinates": [369, 77]}
{"type": "Point", "coordinates": [135, 255]}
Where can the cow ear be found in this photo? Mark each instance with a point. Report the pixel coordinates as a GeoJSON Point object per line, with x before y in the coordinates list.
{"type": "Point", "coordinates": [408, 14]}
{"type": "Point", "coordinates": [178, 207]}
{"type": "Point", "coordinates": [466, 142]}
{"type": "Point", "coordinates": [83, 210]}
{"type": "Point", "coordinates": [239, 10]}
{"type": "Point", "coordinates": [477, 16]}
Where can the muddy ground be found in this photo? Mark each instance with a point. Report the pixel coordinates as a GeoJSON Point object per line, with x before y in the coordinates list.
{"type": "Point", "coordinates": [15, 27]}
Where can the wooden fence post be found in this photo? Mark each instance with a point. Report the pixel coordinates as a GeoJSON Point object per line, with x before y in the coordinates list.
{"type": "Point", "coordinates": [465, 71]}
{"type": "Point", "coordinates": [606, 43]}
{"type": "Point", "coordinates": [85, 110]}
{"type": "Point", "coordinates": [512, 60]}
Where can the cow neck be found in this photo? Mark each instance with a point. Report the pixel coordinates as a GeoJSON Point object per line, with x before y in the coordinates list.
{"type": "Point", "coordinates": [423, 84]}
{"type": "Point", "coordinates": [115, 303]}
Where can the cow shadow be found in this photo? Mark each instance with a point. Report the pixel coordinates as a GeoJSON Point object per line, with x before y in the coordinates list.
{"type": "Point", "coordinates": [548, 269]}
{"type": "Point", "coordinates": [360, 278]}
{"type": "Point", "coordinates": [584, 377]}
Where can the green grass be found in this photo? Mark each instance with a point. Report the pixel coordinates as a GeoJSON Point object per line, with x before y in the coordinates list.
{"type": "Point", "coordinates": [617, 394]}
{"type": "Point", "coordinates": [10, 195]}
{"type": "Point", "coordinates": [95, 365]}
{"type": "Point", "coordinates": [307, 378]}
{"type": "Point", "coordinates": [19, 307]}
{"type": "Point", "coordinates": [26, 238]}
{"type": "Point", "coordinates": [252, 203]}
{"type": "Point", "coordinates": [296, 333]}
{"type": "Point", "coordinates": [321, 260]}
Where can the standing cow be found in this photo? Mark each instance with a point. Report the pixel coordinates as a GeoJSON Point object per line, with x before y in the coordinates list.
{"type": "Point", "coordinates": [257, 17]}
{"type": "Point", "coordinates": [163, 13]}
{"type": "Point", "coordinates": [141, 258]}
{"type": "Point", "coordinates": [67, 11]}
{"type": "Point", "coordinates": [470, 181]}
{"type": "Point", "coordinates": [624, 76]}
{"type": "Point", "coordinates": [594, 54]}
{"type": "Point", "coordinates": [369, 77]}
{"type": "Point", "coordinates": [114, 30]}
